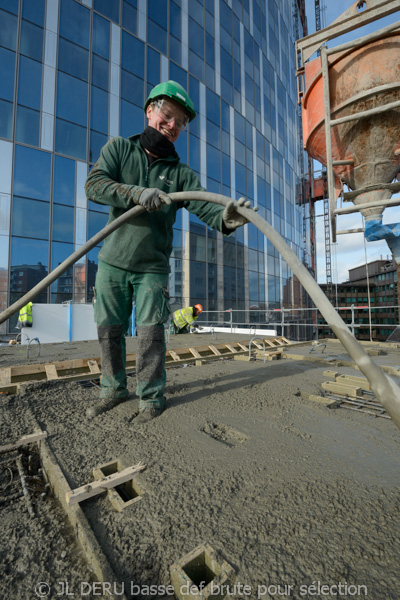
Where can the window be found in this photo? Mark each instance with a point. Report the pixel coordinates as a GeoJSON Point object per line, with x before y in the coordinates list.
{"type": "Point", "coordinates": [153, 66]}
{"type": "Point", "coordinates": [70, 139]}
{"type": "Point", "coordinates": [7, 74]}
{"type": "Point", "coordinates": [10, 5]}
{"type": "Point", "coordinates": [132, 54]}
{"type": "Point", "coordinates": [174, 20]}
{"type": "Point", "coordinates": [73, 59]}
{"type": "Point", "coordinates": [31, 41]}
{"type": "Point", "coordinates": [75, 22]}
{"type": "Point", "coordinates": [99, 110]}
{"type": "Point", "coordinates": [60, 289]}
{"type": "Point", "coordinates": [97, 141]}
{"type": "Point", "coordinates": [196, 37]}
{"type": "Point", "coordinates": [30, 218]}
{"type": "Point", "coordinates": [33, 10]}
{"type": "Point", "coordinates": [32, 173]}
{"type": "Point", "coordinates": [194, 152]}
{"type": "Point", "coordinates": [100, 72]}
{"type": "Point", "coordinates": [132, 118]}
{"type": "Point", "coordinates": [30, 257]}
{"type": "Point", "coordinates": [72, 99]}
{"type": "Point", "coordinates": [129, 17]}
{"type": "Point", "coordinates": [213, 163]}
{"type": "Point", "coordinates": [6, 119]}
{"type": "Point", "coordinates": [132, 88]}
{"type": "Point", "coordinates": [197, 247]}
{"type": "Point", "coordinates": [29, 85]}
{"type": "Point", "coordinates": [101, 36]}
{"type": "Point", "coordinates": [8, 30]}
{"type": "Point", "coordinates": [157, 36]}
{"type": "Point", "coordinates": [27, 127]}
{"type": "Point", "coordinates": [63, 223]}
{"type": "Point", "coordinates": [64, 181]}
{"type": "Point", "coordinates": [109, 8]}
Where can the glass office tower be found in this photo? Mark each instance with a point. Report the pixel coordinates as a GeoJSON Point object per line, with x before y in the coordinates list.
{"type": "Point", "coordinates": [75, 73]}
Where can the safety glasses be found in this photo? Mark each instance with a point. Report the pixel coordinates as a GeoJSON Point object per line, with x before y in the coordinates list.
{"type": "Point", "coordinates": [169, 113]}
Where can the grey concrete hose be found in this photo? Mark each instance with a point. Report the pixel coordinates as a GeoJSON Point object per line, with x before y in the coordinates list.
{"type": "Point", "coordinates": [384, 388]}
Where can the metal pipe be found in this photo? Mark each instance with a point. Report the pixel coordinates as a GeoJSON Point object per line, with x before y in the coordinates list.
{"type": "Point", "coordinates": [370, 37]}
{"type": "Point", "coordinates": [24, 486]}
{"type": "Point", "coordinates": [328, 139]}
{"type": "Point", "coordinates": [345, 210]}
{"type": "Point", "coordinates": [365, 113]}
{"type": "Point", "coordinates": [383, 387]}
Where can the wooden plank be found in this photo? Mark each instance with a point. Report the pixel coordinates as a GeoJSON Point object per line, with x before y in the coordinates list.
{"type": "Point", "coordinates": [269, 342]}
{"type": "Point", "coordinates": [5, 376]}
{"type": "Point", "coordinates": [93, 367]}
{"type": "Point", "coordinates": [97, 487]}
{"type": "Point", "coordinates": [353, 380]}
{"type": "Point", "coordinates": [204, 359]}
{"type": "Point", "coordinates": [285, 340]}
{"type": "Point", "coordinates": [242, 346]}
{"type": "Point", "coordinates": [341, 388]}
{"type": "Point", "coordinates": [330, 373]}
{"type": "Point", "coordinates": [26, 439]}
{"type": "Point", "coordinates": [244, 357]}
{"type": "Point", "coordinates": [231, 348]}
{"type": "Point", "coordinates": [328, 402]}
{"type": "Point", "coordinates": [174, 355]}
{"type": "Point", "coordinates": [195, 353]}
{"type": "Point", "coordinates": [215, 350]}
{"type": "Point", "coordinates": [257, 344]}
{"type": "Point", "coordinates": [51, 372]}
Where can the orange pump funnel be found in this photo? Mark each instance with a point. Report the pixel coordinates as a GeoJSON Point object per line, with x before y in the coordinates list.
{"type": "Point", "coordinates": [359, 80]}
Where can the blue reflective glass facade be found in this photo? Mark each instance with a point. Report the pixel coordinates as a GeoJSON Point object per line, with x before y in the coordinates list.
{"type": "Point", "coordinates": [77, 72]}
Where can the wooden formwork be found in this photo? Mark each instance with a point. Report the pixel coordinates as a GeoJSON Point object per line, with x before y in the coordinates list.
{"type": "Point", "coordinates": [90, 368]}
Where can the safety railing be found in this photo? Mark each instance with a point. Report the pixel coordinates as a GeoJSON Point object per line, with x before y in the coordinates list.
{"type": "Point", "coordinates": [300, 324]}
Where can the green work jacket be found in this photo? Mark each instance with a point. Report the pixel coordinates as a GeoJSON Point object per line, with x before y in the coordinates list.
{"type": "Point", "coordinates": [144, 243]}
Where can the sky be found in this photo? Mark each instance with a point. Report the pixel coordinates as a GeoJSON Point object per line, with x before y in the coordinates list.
{"type": "Point", "coordinates": [350, 249]}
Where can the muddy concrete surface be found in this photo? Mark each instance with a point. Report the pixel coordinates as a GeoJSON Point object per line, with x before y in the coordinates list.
{"type": "Point", "coordinates": [303, 501]}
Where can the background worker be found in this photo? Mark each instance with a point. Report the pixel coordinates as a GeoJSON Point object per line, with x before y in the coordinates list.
{"type": "Point", "coordinates": [185, 317]}
{"type": "Point", "coordinates": [134, 259]}
{"type": "Point", "coordinates": [25, 316]}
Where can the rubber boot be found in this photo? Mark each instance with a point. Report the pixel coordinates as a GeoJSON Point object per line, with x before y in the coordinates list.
{"type": "Point", "coordinates": [150, 369]}
{"type": "Point", "coordinates": [113, 379]}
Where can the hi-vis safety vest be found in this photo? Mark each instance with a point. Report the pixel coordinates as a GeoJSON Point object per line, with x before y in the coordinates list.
{"type": "Point", "coordinates": [25, 315]}
{"type": "Point", "coordinates": [184, 317]}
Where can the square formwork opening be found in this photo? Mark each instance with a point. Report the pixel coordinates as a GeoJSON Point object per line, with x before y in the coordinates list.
{"type": "Point", "coordinates": [129, 490]}
{"type": "Point", "coordinates": [199, 570]}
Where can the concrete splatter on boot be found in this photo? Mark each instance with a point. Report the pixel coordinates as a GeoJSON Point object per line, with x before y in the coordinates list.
{"type": "Point", "coordinates": [103, 406]}
{"type": "Point", "coordinates": [147, 414]}
{"type": "Point", "coordinates": [150, 372]}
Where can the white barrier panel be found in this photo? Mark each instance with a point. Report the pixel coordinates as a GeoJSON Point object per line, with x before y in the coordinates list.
{"type": "Point", "coordinates": [249, 331]}
{"type": "Point", "coordinates": [53, 323]}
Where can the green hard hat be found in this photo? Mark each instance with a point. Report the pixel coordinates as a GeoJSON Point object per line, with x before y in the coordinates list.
{"type": "Point", "coordinates": [176, 92]}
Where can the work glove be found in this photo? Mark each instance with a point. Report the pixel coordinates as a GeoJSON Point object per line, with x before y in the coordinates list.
{"type": "Point", "coordinates": [230, 216]}
{"type": "Point", "coordinates": [153, 199]}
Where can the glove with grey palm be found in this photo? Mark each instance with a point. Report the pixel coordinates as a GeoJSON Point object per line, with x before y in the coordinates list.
{"type": "Point", "coordinates": [153, 199]}
{"type": "Point", "coordinates": [231, 218]}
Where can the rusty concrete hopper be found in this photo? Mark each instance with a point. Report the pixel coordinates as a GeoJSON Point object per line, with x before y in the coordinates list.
{"type": "Point", "coordinates": [360, 80]}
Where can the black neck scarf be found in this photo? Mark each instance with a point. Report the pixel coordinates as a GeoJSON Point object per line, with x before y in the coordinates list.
{"type": "Point", "coordinates": [156, 143]}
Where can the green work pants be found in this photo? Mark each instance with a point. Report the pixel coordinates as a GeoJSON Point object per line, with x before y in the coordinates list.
{"type": "Point", "coordinates": [115, 291]}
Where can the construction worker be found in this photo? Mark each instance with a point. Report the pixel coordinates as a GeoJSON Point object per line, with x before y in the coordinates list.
{"type": "Point", "coordinates": [185, 317]}
{"type": "Point", "coordinates": [25, 316]}
{"type": "Point", "coordinates": [134, 259]}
